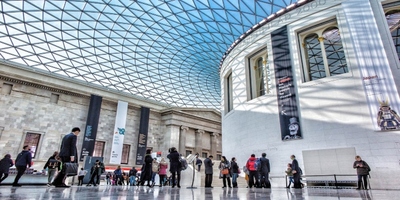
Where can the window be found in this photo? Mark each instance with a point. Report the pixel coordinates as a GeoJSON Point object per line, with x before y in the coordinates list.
{"type": "Point", "coordinates": [125, 154]}
{"type": "Point", "coordinates": [259, 75]}
{"type": "Point", "coordinates": [188, 152]}
{"type": "Point", "coordinates": [204, 155]}
{"type": "Point", "coordinates": [98, 149]}
{"type": "Point", "coordinates": [393, 19]}
{"type": "Point", "coordinates": [323, 53]}
{"type": "Point", "coordinates": [229, 98]}
{"type": "Point", "coordinates": [54, 98]}
{"type": "Point", "coordinates": [219, 156]}
{"type": "Point", "coordinates": [32, 140]}
{"type": "Point", "coordinates": [6, 89]}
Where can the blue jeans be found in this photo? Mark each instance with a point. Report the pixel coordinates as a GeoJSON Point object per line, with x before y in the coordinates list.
{"type": "Point", "coordinates": [132, 180]}
{"type": "Point", "coordinates": [234, 179]}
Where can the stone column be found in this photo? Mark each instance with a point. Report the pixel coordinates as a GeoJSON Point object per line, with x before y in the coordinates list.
{"type": "Point", "coordinates": [199, 142]}
{"type": "Point", "coordinates": [214, 144]}
{"type": "Point", "coordinates": [182, 140]}
{"type": "Point", "coordinates": [171, 138]}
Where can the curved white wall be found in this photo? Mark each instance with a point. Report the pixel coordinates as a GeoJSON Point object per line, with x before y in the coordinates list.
{"type": "Point", "coordinates": [334, 111]}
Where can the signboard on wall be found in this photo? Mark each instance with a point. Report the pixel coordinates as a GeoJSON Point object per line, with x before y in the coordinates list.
{"type": "Point", "coordinates": [91, 126]}
{"type": "Point", "coordinates": [286, 93]}
{"type": "Point", "coordinates": [143, 132]}
{"type": "Point", "coordinates": [119, 133]}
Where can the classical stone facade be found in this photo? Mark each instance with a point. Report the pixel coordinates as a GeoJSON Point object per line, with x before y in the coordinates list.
{"type": "Point", "coordinates": [32, 101]}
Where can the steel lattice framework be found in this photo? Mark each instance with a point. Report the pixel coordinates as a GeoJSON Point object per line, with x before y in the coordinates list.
{"type": "Point", "coordinates": [164, 50]}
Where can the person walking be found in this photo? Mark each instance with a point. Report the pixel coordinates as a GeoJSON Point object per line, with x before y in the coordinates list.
{"type": "Point", "coordinates": [147, 169]}
{"type": "Point", "coordinates": [208, 164]}
{"type": "Point", "coordinates": [132, 176]}
{"type": "Point", "coordinates": [198, 162]}
{"type": "Point", "coordinates": [296, 172]}
{"type": "Point", "coordinates": [68, 153]}
{"type": "Point", "coordinates": [53, 166]}
{"type": "Point", "coordinates": [81, 176]}
{"type": "Point", "coordinates": [5, 165]}
{"type": "Point", "coordinates": [264, 170]}
{"type": "Point", "coordinates": [163, 171]}
{"type": "Point", "coordinates": [235, 172]}
{"type": "Point", "coordinates": [289, 174]}
{"type": "Point", "coordinates": [251, 166]}
{"type": "Point", "coordinates": [363, 170]}
{"type": "Point", "coordinates": [23, 160]}
{"type": "Point", "coordinates": [175, 166]}
{"type": "Point", "coordinates": [224, 168]}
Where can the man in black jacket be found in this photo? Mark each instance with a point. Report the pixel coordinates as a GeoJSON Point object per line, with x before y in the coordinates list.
{"type": "Point", "coordinates": [23, 160]}
{"type": "Point", "coordinates": [68, 153]}
{"type": "Point", "coordinates": [175, 166]}
{"type": "Point", "coordinates": [264, 170]}
{"type": "Point", "coordinates": [5, 165]}
{"type": "Point", "coordinates": [208, 164]}
{"type": "Point", "coordinates": [296, 172]}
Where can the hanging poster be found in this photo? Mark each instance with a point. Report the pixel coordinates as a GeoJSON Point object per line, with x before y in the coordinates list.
{"type": "Point", "coordinates": [142, 138]}
{"type": "Point", "coordinates": [91, 126]}
{"type": "Point", "coordinates": [119, 133]}
{"type": "Point", "coordinates": [286, 93]}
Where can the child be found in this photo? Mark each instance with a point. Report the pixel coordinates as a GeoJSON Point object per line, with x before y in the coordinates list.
{"type": "Point", "coordinates": [289, 174]}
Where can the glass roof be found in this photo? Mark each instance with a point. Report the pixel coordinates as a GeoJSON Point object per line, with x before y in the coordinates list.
{"type": "Point", "coordinates": [164, 50]}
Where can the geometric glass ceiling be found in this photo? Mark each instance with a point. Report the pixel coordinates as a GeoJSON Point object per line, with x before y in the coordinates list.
{"type": "Point", "coordinates": [167, 51]}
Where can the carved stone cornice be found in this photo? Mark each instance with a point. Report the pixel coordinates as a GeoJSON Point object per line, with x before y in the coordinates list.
{"type": "Point", "coordinates": [184, 128]}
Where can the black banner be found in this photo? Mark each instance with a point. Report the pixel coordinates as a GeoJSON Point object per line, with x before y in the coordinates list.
{"type": "Point", "coordinates": [91, 126]}
{"type": "Point", "coordinates": [142, 138]}
{"type": "Point", "coordinates": [286, 93]}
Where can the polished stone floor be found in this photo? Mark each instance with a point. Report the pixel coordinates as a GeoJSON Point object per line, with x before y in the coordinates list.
{"type": "Point", "coordinates": [168, 193]}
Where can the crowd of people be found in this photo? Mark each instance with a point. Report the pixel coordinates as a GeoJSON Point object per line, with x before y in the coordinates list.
{"type": "Point", "coordinates": [256, 169]}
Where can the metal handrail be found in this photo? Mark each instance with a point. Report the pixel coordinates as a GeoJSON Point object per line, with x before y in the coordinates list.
{"type": "Point", "coordinates": [321, 175]}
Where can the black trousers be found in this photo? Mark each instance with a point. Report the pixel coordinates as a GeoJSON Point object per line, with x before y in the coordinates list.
{"type": "Point", "coordinates": [92, 179]}
{"type": "Point", "coordinates": [296, 179]}
{"type": "Point", "coordinates": [3, 177]}
{"type": "Point", "coordinates": [264, 180]}
{"type": "Point", "coordinates": [224, 178]}
{"type": "Point", "coordinates": [80, 180]}
{"type": "Point", "coordinates": [21, 171]}
{"type": "Point", "coordinates": [61, 176]}
{"type": "Point", "coordinates": [176, 178]}
{"type": "Point", "coordinates": [253, 176]}
{"type": "Point", "coordinates": [208, 181]}
{"type": "Point", "coordinates": [361, 179]}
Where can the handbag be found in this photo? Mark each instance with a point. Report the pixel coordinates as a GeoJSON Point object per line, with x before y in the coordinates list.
{"type": "Point", "coordinates": [225, 171]}
{"type": "Point", "coordinates": [71, 169]}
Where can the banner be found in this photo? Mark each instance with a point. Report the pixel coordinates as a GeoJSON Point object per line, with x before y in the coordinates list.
{"type": "Point", "coordinates": [119, 132]}
{"type": "Point", "coordinates": [91, 126]}
{"type": "Point", "coordinates": [286, 93]}
{"type": "Point", "coordinates": [142, 138]}
{"type": "Point", "coordinates": [377, 77]}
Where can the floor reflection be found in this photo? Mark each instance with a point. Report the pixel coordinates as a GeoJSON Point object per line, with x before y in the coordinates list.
{"type": "Point", "coordinates": [141, 193]}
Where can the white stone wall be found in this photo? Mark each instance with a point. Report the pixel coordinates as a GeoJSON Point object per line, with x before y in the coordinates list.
{"type": "Point", "coordinates": [334, 112]}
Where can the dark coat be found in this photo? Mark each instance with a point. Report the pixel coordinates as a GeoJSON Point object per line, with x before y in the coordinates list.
{"type": "Point", "coordinates": [68, 146]}
{"type": "Point", "coordinates": [225, 165]}
{"type": "Point", "coordinates": [174, 160]}
{"type": "Point", "coordinates": [53, 160]}
{"type": "Point", "coordinates": [234, 167]}
{"type": "Point", "coordinates": [146, 174]}
{"type": "Point", "coordinates": [362, 167]}
{"type": "Point", "coordinates": [208, 166]}
{"type": "Point", "coordinates": [295, 166]}
{"type": "Point", "coordinates": [23, 159]}
{"type": "Point", "coordinates": [5, 165]}
{"type": "Point", "coordinates": [265, 167]}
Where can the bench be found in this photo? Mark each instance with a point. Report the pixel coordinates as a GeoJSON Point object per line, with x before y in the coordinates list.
{"type": "Point", "coordinates": [343, 184]}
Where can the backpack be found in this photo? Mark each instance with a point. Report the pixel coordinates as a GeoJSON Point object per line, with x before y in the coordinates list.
{"type": "Point", "coordinates": [184, 164]}
{"type": "Point", "coordinates": [258, 165]}
{"type": "Point", "coordinates": [155, 167]}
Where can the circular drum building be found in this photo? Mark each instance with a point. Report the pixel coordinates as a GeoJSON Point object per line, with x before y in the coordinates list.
{"type": "Point", "coordinates": [320, 80]}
